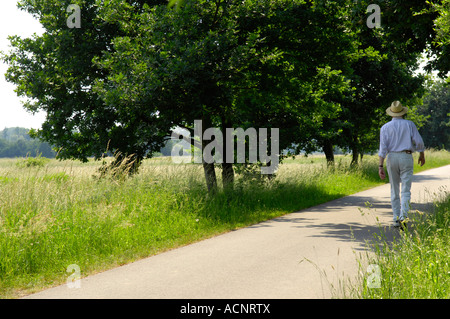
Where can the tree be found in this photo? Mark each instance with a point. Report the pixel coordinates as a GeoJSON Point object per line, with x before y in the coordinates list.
{"type": "Point", "coordinates": [436, 107]}
{"type": "Point", "coordinates": [56, 72]}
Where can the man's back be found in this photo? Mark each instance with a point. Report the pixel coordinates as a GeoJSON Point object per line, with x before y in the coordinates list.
{"type": "Point", "coordinates": [399, 135]}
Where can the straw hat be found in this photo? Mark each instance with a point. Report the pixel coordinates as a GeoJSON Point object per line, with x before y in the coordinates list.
{"type": "Point", "coordinates": [396, 109]}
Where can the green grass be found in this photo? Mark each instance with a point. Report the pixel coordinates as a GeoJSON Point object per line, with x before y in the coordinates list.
{"type": "Point", "coordinates": [416, 265]}
{"type": "Point", "coordinates": [60, 213]}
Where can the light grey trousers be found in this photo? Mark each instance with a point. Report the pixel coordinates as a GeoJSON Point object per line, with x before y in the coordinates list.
{"type": "Point", "coordinates": [400, 169]}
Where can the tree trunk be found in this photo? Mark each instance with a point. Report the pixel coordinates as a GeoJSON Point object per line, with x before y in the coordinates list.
{"type": "Point", "coordinates": [355, 156]}
{"type": "Point", "coordinates": [227, 168]}
{"type": "Point", "coordinates": [328, 150]}
{"type": "Point", "coordinates": [210, 176]}
{"type": "Point", "coordinates": [227, 175]}
{"type": "Point", "coordinates": [208, 168]}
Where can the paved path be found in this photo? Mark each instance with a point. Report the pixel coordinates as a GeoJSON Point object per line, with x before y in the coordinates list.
{"type": "Point", "coordinates": [264, 260]}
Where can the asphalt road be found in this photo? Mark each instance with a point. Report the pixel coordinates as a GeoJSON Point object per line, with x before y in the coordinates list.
{"type": "Point", "coordinates": [306, 254]}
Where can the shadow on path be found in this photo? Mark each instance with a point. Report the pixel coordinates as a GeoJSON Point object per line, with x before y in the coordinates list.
{"type": "Point", "coordinates": [424, 178]}
{"type": "Point", "coordinates": [362, 234]}
{"type": "Point", "coordinates": [358, 233]}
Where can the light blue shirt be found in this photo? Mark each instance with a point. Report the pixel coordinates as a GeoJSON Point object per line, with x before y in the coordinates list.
{"type": "Point", "coordinates": [399, 135]}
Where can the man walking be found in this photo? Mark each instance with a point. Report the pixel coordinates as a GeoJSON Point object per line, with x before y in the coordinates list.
{"type": "Point", "coordinates": [399, 138]}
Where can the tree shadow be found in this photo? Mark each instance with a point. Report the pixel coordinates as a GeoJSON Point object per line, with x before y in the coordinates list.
{"type": "Point", "coordinates": [423, 178]}
{"type": "Point", "coordinates": [360, 234]}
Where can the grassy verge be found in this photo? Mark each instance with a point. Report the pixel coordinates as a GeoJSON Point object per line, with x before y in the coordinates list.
{"type": "Point", "coordinates": [416, 265]}
{"type": "Point", "coordinates": [57, 214]}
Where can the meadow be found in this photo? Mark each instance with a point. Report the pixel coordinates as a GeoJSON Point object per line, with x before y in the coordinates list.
{"type": "Point", "coordinates": [57, 213]}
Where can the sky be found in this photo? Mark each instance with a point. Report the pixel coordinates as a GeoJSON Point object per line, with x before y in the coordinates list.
{"type": "Point", "coordinates": [15, 22]}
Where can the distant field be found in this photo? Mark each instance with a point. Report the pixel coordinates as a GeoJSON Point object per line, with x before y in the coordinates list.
{"type": "Point", "coordinates": [57, 213]}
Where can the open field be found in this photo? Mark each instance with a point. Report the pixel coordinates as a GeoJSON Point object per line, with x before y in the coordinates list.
{"type": "Point", "coordinates": [60, 213]}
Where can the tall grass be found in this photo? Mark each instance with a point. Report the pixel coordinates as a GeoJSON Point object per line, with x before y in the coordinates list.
{"type": "Point", "coordinates": [62, 213]}
{"type": "Point", "coordinates": [415, 265]}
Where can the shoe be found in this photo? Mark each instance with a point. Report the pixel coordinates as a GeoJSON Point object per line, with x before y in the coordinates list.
{"type": "Point", "coordinates": [403, 226]}
{"type": "Point", "coordinates": [396, 224]}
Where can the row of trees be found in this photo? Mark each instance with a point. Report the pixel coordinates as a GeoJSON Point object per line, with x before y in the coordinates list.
{"type": "Point", "coordinates": [16, 142]}
{"type": "Point", "coordinates": [136, 69]}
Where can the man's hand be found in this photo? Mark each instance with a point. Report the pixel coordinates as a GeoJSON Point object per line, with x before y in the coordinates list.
{"type": "Point", "coordinates": [381, 168]}
{"type": "Point", "coordinates": [421, 161]}
{"type": "Point", "coordinates": [381, 172]}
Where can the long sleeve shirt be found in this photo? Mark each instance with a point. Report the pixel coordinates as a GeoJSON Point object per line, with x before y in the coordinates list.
{"type": "Point", "coordinates": [399, 135]}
